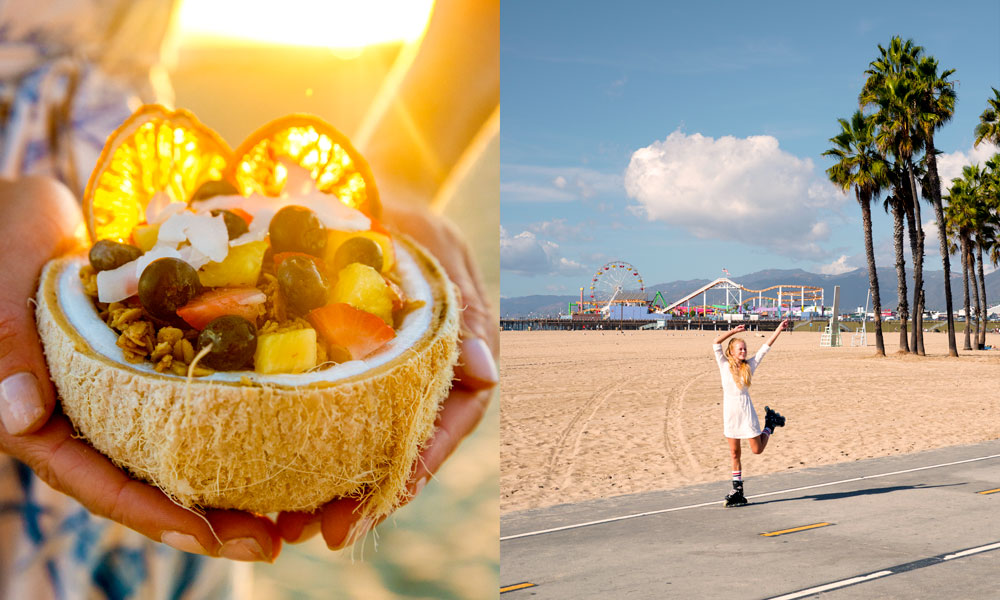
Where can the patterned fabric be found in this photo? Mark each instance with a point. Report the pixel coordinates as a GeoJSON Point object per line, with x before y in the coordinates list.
{"type": "Point", "coordinates": [70, 72]}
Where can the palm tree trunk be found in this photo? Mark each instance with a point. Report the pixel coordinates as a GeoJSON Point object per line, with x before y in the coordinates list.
{"type": "Point", "coordinates": [911, 228]}
{"type": "Point", "coordinates": [965, 292]}
{"type": "Point", "coordinates": [897, 235]}
{"type": "Point", "coordinates": [935, 189]}
{"type": "Point", "coordinates": [982, 286]}
{"type": "Point", "coordinates": [866, 219]}
{"type": "Point", "coordinates": [918, 269]}
{"type": "Point", "coordinates": [975, 294]}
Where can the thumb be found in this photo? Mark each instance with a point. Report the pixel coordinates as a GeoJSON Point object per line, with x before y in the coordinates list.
{"type": "Point", "coordinates": [38, 219]}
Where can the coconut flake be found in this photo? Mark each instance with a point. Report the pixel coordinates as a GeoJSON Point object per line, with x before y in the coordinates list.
{"type": "Point", "coordinates": [206, 233]}
{"type": "Point", "coordinates": [209, 236]}
{"type": "Point", "coordinates": [192, 256]}
{"type": "Point", "coordinates": [174, 229]}
{"type": "Point", "coordinates": [115, 285]}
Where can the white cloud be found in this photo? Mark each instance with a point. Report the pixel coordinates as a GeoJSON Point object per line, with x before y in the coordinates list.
{"type": "Point", "coordinates": [558, 229]}
{"type": "Point", "coordinates": [524, 183]}
{"type": "Point", "coordinates": [950, 165]}
{"type": "Point", "coordinates": [744, 189]}
{"type": "Point", "coordinates": [524, 192]}
{"type": "Point", "coordinates": [841, 265]}
{"type": "Point", "coordinates": [526, 254]}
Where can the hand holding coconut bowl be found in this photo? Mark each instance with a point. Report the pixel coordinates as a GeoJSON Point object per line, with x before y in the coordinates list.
{"type": "Point", "coordinates": [244, 333]}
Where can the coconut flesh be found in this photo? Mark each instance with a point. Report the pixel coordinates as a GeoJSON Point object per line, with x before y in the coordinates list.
{"type": "Point", "coordinates": [262, 443]}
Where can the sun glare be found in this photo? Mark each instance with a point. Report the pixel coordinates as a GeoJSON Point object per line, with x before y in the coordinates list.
{"type": "Point", "coordinates": [336, 24]}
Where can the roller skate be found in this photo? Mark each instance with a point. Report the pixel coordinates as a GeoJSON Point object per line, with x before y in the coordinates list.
{"type": "Point", "coordinates": [736, 498]}
{"type": "Point", "coordinates": [772, 419]}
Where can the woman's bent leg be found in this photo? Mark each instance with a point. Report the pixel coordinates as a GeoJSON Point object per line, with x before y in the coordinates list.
{"type": "Point", "coordinates": [758, 443]}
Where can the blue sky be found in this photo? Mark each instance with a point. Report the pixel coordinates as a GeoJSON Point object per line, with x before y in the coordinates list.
{"type": "Point", "coordinates": [687, 137]}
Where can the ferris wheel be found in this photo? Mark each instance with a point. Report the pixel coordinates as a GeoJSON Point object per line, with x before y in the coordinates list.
{"type": "Point", "coordinates": [612, 280]}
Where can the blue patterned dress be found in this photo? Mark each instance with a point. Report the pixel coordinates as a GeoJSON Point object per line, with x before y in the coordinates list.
{"type": "Point", "coordinates": [70, 72]}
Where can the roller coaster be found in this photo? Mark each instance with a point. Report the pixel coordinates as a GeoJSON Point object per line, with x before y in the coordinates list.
{"type": "Point", "coordinates": [617, 292]}
{"type": "Point", "coordinates": [776, 299]}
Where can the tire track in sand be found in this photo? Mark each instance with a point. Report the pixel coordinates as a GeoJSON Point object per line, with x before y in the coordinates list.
{"type": "Point", "coordinates": [559, 460]}
{"type": "Point", "coordinates": [675, 442]}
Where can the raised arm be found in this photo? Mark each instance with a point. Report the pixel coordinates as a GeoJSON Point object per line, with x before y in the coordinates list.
{"type": "Point", "coordinates": [725, 335]}
{"type": "Point", "coordinates": [774, 336]}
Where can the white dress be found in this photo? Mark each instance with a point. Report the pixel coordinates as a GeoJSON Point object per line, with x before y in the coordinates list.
{"type": "Point", "coordinates": [738, 415]}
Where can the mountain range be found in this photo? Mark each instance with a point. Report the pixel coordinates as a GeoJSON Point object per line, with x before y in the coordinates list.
{"type": "Point", "coordinates": [853, 290]}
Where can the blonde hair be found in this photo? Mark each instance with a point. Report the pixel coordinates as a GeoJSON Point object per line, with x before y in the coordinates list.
{"type": "Point", "coordinates": [739, 368]}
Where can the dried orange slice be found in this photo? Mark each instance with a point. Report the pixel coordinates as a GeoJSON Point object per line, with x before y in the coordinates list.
{"type": "Point", "coordinates": [153, 150]}
{"type": "Point", "coordinates": [334, 164]}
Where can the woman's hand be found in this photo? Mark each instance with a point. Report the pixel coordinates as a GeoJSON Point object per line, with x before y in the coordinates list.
{"type": "Point", "coordinates": [726, 334]}
{"type": "Point", "coordinates": [39, 219]}
{"type": "Point", "coordinates": [475, 377]}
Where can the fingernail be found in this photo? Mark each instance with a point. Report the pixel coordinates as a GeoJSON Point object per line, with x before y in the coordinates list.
{"type": "Point", "coordinates": [355, 532]}
{"type": "Point", "coordinates": [245, 548]}
{"type": "Point", "coordinates": [20, 402]}
{"type": "Point", "coordinates": [477, 361]}
{"type": "Point", "coordinates": [183, 542]}
{"type": "Point", "coordinates": [311, 529]}
{"type": "Point", "coordinates": [343, 541]}
{"type": "Point", "coordinates": [420, 484]}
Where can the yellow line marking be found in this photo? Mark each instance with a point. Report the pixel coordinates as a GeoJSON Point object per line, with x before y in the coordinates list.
{"type": "Point", "coordinates": [794, 529]}
{"type": "Point", "coordinates": [989, 491]}
{"type": "Point", "coordinates": [516, 586]}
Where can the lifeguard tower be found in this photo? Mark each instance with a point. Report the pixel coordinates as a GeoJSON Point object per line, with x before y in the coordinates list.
{"type": "Point", "coordinates": [830, 338]}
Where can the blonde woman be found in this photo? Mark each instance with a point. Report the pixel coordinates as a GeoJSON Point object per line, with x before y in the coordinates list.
{"type": "Point", "coordinates": [739, 417]}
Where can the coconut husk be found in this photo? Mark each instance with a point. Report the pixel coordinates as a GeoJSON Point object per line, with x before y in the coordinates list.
{"type": "Point", "coordinates": [259, 447]}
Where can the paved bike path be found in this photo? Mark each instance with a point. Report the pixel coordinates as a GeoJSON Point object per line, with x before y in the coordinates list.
{"type": "Point", "coordinates": [918, 525]}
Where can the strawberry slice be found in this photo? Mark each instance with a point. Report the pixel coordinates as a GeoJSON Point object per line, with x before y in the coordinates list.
{"type": "Point", "coordinates": [343, 325]}
{"type": "Point", "coordinates": [201, 310]}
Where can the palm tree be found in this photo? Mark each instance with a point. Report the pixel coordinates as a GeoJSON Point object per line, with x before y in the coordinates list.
{"type": "Point", "coordinates": [896, 203]}
{"type": "Point", "coordinates": [961, 219]}
{"type": "Point", "coordinates": [893, 90]}
{"type": "Point", "coordinates": [956, 243]}
{"type": "Point", "coordinates": [988, 235]}
{"type": "Point", "coordinates": [860, 166]}
{"type": "Point", "coordinates": [989, 122]}
{"type": "Point", "coordinates": [935, 107]}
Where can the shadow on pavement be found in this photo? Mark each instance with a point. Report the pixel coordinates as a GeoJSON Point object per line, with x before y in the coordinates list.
{"type": "Point", "coordinates": [865, 492]}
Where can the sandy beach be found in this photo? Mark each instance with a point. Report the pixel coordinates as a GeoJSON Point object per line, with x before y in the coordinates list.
{"type": "Point", "coordinates": [588, 414]}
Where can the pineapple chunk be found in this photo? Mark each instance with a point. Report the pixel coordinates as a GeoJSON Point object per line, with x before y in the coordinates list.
{"type": "Point", "coordinates": [286, 352]}
{"type": "Point", "coordinates": [240, 268]}
{"type": "Point", "coordinates": [145, 236]}
{"type": "Point", "coordinates": [364, 288]}
{"type": "Point", "coordinates": [336, 238]}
